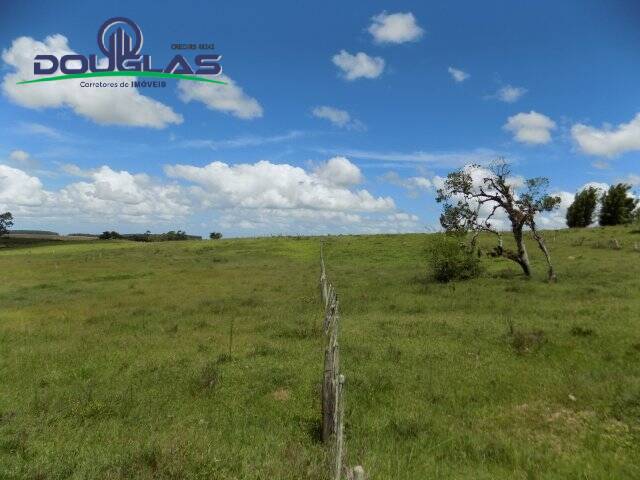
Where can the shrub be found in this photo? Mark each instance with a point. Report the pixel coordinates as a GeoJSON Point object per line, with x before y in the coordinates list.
{"type": "Point", "coordinates": [449, 259]}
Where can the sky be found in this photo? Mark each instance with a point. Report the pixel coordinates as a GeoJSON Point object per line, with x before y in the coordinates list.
{"type": "Point", "coordinates": [336, 117]}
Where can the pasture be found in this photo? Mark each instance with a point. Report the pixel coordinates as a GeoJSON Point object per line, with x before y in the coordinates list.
{"type": "Point", "coordinates": [203, 359]}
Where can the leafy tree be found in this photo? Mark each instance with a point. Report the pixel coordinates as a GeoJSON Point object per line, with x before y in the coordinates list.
{"type": "Point", "coordinates": [580, 212]}
{"type": "Point", "coordinates": [215, 235]}
{"type": "Point", "coordinates": [6, 222]}
{"type": "Point", "coordinates": [617, 206]}
{"type": "Point", "coordinates": [473, 196]}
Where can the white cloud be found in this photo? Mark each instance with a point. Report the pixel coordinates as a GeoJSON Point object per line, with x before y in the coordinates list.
{"type": "Point", "coordinates": [106, 195]}
{"type": "Point", "coordinates": [632, 179]}
{"type": "Point", "coordinates": [339, 171]}
{"type": "Point", "coordinates": [414, 185]}
{"type": "Point", "coordinates": [359, 65]}
{"type": "Point", "coordinates": [445, 159]}
{"type": "Point", "coordinates": [395, 28]}
{"type": "Point", "coordinates": [336, 116]}
{"type": "Point", "coordinates": [556, 218]}
{"type": "Point", "coordinates": [532, 128]}
{"type": "Point", "coordinates": [229, 98]}
{"type": "Point", "coordinates": [608, 141]}
{"type": "Point", "coordinates": [262, 197]}
{"type": "Point", "coordinates": [40, 130]}
{"type": "Point", "coordinates": [340, 118]}
{"type": "Point", "coordinates": [600, 165]}
{"type": "Point", "coordinates": [19, 189]}
{"type": "Point", "coordinates": [22, 159]}
{"type": "Point", "coordinates": [107, 106]}
{"type": "Point", "coordinates": [243, 141]}
{"type": "Point", "coordinates": [458, 75]}
{"type": "Point", "coordinates": [510, 94]}
{"type": "Point", "coordinates": [265, 185]}
{"type": "Point", "coordinates": [314, 222]}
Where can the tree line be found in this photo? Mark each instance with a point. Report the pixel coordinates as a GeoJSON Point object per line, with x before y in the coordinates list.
{"type": "Point", "coordinates": [617, 207]}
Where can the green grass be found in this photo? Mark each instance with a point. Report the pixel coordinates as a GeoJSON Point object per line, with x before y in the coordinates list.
{"type": "Point", "coordinates": [116, 361]}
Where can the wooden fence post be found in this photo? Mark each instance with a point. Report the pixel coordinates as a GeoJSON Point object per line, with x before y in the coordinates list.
{"type": "Point", "coordinates": [333, 382]}
{"type": "Point", "coordinates": [358, 473]}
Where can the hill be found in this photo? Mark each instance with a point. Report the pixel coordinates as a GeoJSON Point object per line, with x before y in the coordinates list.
{"type": "Point", "coordinates": [203, 360]}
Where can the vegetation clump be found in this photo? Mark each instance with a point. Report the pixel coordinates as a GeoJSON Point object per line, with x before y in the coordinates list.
{"type": "Point", "coordinates": [450, 259]}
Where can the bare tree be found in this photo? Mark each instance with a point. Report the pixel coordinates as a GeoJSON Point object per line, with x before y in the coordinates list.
{"type": "Point", "coordinates": [472, 205]}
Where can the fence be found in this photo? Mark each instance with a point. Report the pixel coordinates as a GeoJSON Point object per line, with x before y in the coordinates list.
{"type": "Point", "coordinates": [333, 381]}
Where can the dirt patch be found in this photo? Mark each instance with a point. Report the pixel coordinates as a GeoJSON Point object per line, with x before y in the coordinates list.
{"type": "Point", "coordinates": [281, 394]}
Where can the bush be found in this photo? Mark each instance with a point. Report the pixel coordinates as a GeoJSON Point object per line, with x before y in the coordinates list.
{"type": "Point", "coordinates": [449, 259]}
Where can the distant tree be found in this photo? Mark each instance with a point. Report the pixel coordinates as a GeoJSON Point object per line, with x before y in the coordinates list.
{"type": "Point", "coordinates": [175, 235]}
{"type": "Point", "coordinates": [215, 235]}
{"type": "Point", "coordinates": [109, 235]}
{"type": "Point", "coordinates": [6, 222]}
{"type": "Point", "coordinates": [471, 203]}
{"type": "Point", "coordinates": [580, 212]}
{"type": "Point", "coordinates": [616, 206]}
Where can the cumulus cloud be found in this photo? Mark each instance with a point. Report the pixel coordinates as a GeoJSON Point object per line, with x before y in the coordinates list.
{"type": "Point", "coordinates": [395, 28]}
{"type": "Point", "coordinates": [229, 98]}
{"type": "Point", "coordinates": [339, 171]}
{"type": "Point", "coordinates": [279, 186]}
{"type": "Point", "coordinates": [458, 76]}
{"type": "Point", "coordinates": [531, 128]}
{"type": "Point", "coordinates": [106, 194]}
{"type": "Point", "coordinates": [340, 118]}
{"type": "Point", "coordinates": [262, 197]}
{"type": "Point", "coordinates": [608, 141]}
{"type": "Point", "coordinates": [359, 65]}
{"type": "Point", "coordinates": [19, 189]}
{"type": "Point", "coordinates": [106, 106]}
{"type": "Point", "coordinates": [509, 94]}
{"type": "Point", "coordinates": [413, 185]}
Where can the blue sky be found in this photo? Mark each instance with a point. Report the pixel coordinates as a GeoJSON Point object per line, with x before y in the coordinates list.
{"type": "Point", "coordinates": [339, 117]}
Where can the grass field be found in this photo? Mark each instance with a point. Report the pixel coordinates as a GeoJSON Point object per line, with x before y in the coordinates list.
{"type": "Point", "coordinates": [204, 360]}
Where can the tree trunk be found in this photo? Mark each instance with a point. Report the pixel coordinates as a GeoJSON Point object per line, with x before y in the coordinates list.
{"type": "Point", "coordinates": [522, 256]}
{"type": "Point", "coordinates": [543, 246]}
